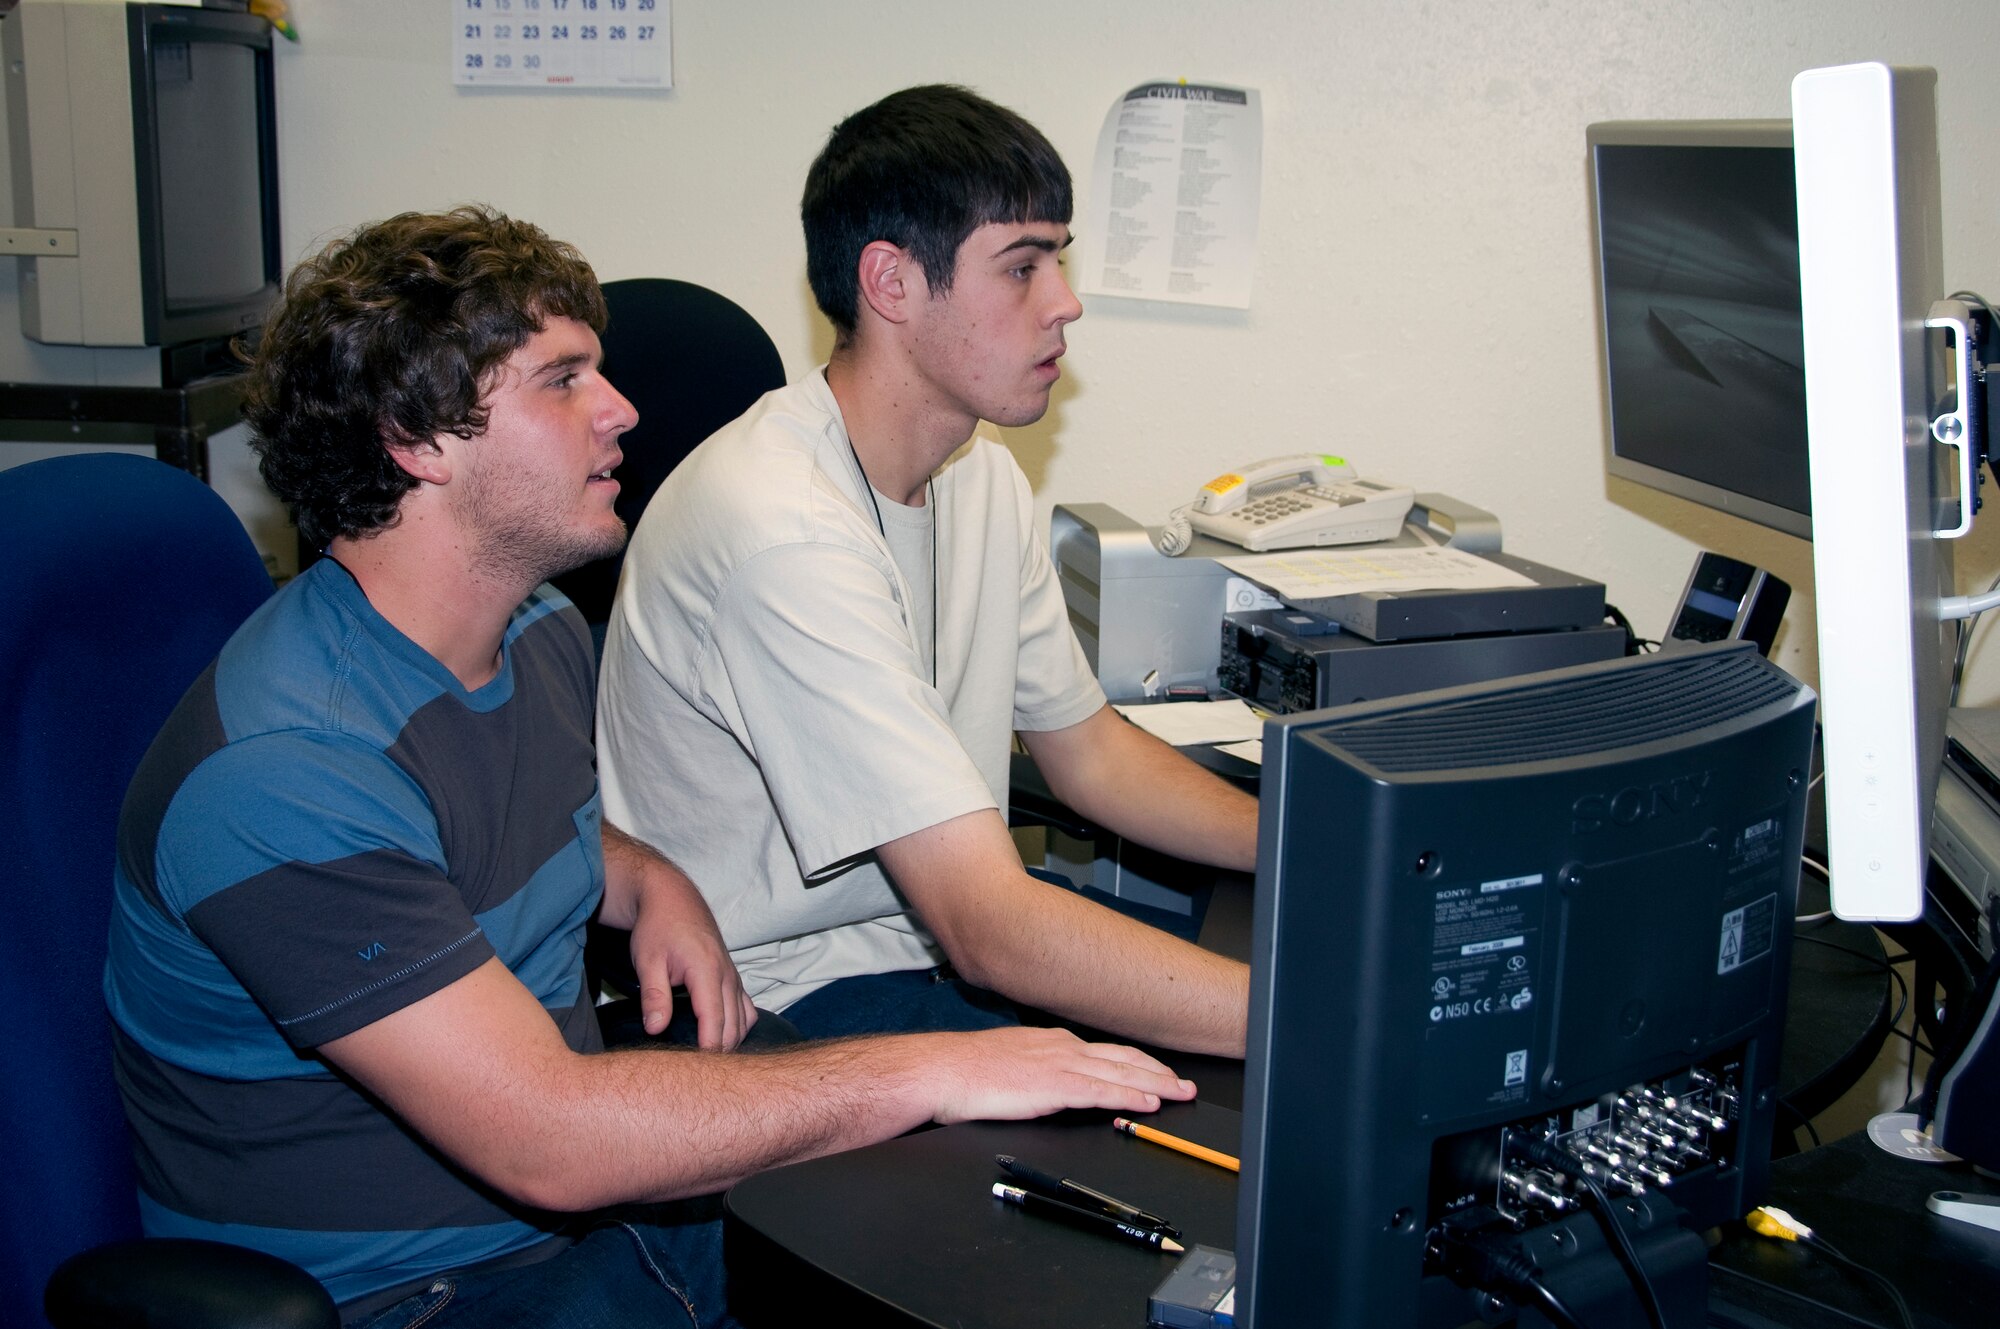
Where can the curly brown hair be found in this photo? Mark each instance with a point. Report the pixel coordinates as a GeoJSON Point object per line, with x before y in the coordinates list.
{"type": "Point", "coordinates": [390, 337]}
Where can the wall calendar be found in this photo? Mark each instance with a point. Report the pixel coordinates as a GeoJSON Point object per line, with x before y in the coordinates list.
{"type": "Point", "coordinates": [562, 43]}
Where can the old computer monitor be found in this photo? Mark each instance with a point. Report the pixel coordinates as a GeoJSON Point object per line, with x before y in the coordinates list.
{"type": "Point", "coordinates": [1698, 280]}
{"type": "Point", "coordinates": [143, 139]}
{"type": "Point", "coordinates": [1546, 912]}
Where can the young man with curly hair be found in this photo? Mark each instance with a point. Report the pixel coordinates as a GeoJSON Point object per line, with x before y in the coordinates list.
{"type": "Point", "coordinates": [356, 866]}
{"type": "Point", "coordinates": [838, 612]}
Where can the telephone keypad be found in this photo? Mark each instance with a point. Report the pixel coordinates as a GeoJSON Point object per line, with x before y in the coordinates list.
{"type": "Point", "coordinates": [1276, 507]}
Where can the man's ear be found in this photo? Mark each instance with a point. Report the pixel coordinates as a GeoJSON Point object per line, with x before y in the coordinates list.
{"type": "Point", "coordinates": [420, 459]}
{"type": "Point", "coordinates": [891, 281]}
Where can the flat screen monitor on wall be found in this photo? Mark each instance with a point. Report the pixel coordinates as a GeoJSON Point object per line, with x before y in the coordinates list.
{"type": "Point", "coordinates": [143, 140]}
{"type": "Point", "coordinates": [1698, 265]}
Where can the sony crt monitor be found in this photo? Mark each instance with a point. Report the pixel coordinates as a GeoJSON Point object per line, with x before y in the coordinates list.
{"type": "Point", "coordinates": [1698, 281]}
{"type": "Point", "coordinates": [1520, 954]}
{"type": "Point", "coordinates": [144, 147]}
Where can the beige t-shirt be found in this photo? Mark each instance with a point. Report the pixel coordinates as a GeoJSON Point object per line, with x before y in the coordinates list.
{"type": "Point", "coordinates": [766, 715]}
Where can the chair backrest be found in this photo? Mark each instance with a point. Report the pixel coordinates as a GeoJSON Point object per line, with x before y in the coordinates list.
{"type": "Point", "coordinates": [690, 361]}
{"type": "Point", "coordinates": [122, 577]}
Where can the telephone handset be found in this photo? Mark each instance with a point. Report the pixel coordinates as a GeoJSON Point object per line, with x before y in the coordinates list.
{"type": "Point", "coordinates": [1288, 502]}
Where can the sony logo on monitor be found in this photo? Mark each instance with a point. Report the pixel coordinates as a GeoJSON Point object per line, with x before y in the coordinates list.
{"type": "Point", "coordinates": [1635, 803]}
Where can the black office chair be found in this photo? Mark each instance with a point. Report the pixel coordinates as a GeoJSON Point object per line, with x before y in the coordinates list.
{"type": "Point", "coordinates": [690, 361]}
{"type": "Point", "coordinates": [122, 578]}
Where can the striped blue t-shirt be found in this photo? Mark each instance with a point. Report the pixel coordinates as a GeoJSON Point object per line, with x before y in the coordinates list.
{"type": "Point", "coordinates": [329, 828]}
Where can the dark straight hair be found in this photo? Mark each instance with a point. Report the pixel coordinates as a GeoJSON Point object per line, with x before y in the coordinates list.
{"type": "Point", "coordinates": [922, 169]}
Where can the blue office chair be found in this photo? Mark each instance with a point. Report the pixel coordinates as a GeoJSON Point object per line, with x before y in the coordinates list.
{"type": "Point", "coordinates": [690, 361]}
{"type": "Point", "coordinates": [121, 578]}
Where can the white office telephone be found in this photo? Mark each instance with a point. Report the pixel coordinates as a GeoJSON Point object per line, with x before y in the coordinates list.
{"type": "Point", "coordinates": [1302, 500]}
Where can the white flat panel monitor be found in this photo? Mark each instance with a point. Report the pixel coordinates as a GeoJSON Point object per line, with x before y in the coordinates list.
{"type": "Point", "coordinates": [1698, 278]}
{"type": "Point", "coordinates": [1870, 257]}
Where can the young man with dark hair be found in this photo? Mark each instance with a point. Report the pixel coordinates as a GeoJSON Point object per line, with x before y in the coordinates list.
{"type": "Point", "coordinates": [836, 615]}
{"type": "Point", "coordinates": [355, 868]}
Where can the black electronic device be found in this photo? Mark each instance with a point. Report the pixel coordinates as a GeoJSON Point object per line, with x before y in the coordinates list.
{"type": "Point", "coordinates": [1964, 1082]}
{"type": "Point", "coordinates": [144, 142]}
{"type": "Point", "coordinates": [1551, 600]}
{"type": "Point", "coordinates": [1198, 1294]}
{"type": "Point", "coordinates": [1962, 895]}
{"type": "Point", "coordinates": [1962, 910]}
{"type": "Point", "coordinates": [1510, 939]}
{"type": "Point", "coordinates": [1726, 599]}
{"type": "Point", "coordinates": [1285, 660]}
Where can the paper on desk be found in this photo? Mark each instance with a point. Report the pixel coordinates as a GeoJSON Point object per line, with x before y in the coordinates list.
{"type": "Point", "coordinates": [1185, 723]}
{"type": "Point", "coordinates": [1250, 750]}
{"type": "Point", "coordinates": [1317, 574]}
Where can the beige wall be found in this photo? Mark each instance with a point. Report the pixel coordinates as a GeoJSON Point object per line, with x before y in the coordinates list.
{"type": "Point", "coordinates": [1424, 299]}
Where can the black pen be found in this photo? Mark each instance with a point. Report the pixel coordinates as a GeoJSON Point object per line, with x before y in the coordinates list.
{"type": "Point", "coordinates": [1084, 1197]}
{"type": "Point", "coordinates": [1069, 1213]}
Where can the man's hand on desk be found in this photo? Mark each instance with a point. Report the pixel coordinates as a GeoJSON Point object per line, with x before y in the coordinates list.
{"type": "Point", "coordinates": [568, 1131]}
{"type": "Point", "coordinates": [1011, 1074]}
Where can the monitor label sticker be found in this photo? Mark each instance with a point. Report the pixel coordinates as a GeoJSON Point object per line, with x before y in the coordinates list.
{"type": "Point", "coordinates": [1748, 934]}
{"type": "Point", "coordinates": [1758, 844]}
{"type": "Point", "coordinates": [1482, 949]}
{"type": "Point", "coordinates": [1481, 1046]}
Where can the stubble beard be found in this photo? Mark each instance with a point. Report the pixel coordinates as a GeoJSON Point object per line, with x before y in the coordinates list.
{"type": "Point", "coordinates": [535, 554]}
{"type": "Point", "coordinates": [531, 546]}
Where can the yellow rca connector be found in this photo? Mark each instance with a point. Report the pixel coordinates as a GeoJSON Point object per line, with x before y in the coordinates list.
{"type": "Point", "coordinates": [1771, 1221]}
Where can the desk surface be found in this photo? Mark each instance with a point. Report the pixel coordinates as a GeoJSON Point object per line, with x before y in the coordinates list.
{"type": "Point", "coordinates": [905, 1233]}
{"type": "Point", "coordinates": [1870, 1206]}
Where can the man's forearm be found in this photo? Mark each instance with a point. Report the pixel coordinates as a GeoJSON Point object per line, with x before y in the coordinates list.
{"type": "Point", "coordinates": [1131, 783]}
{"type": "Point", "coordinates": [480, 1070]}
{"type": "Point", "coordinates": [691, 1123]}
{"type": "Point", "coordinates": [1186, 811]}
{"type": "Point", "coordinates": [626, 863]}
{"type": "Point", "coordinates": [1077, 959]}
{"type": "Point", "coordinates": [1053, 949]}
{"type": "Point", "coordinates": [653, 1124]}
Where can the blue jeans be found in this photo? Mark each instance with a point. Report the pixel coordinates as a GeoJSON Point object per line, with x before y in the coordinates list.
{"type": "Point", "coordinates": [656, 1266]}
{"type": "Point", "coordinates": [909, 1001]}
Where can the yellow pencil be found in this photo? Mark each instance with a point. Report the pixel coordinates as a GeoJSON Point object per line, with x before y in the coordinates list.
{"type": "Point", "coordinates": [1177, 1144]}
